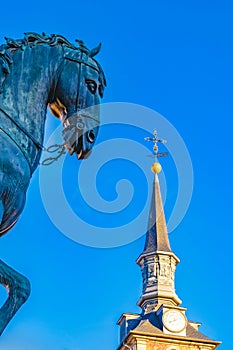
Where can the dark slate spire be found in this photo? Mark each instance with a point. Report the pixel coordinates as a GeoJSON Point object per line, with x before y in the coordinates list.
{"type": "Point", "coordinates": [157, 235]}
{"type": "Point", "coordinates": [157, 261]}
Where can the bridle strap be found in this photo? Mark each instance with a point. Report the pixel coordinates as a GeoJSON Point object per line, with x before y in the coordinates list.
{"type": "Point", "coordinates": [81, 115]}
{"type": "Point", "coordinates": [22, 128]}
{"type": "Point", "coordinates": [74, 59]}
{"type": "Point", "coordinates": [80, 61]}
{"type": "Point", "coordinates": [57, 77]}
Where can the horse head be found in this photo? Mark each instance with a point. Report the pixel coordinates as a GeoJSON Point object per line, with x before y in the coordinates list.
{"type": "Point", "coordinates": [75, 101]}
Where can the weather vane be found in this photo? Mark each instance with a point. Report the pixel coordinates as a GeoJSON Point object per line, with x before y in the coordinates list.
{"type": "Point", "coordinates": [156, 166]}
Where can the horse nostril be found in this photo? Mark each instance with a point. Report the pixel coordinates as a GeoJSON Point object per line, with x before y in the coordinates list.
{"type": "Point", "coordinates": [91, 136]}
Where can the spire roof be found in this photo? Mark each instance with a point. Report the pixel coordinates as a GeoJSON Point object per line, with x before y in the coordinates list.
{"type": "Point", "coordinates": [157, 234]}
{"type": "Point", "coordinates": [157, 261]}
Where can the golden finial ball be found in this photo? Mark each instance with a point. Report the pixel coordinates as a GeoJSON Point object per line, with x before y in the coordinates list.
{"type": "Point", "coordinates": [156, 168]}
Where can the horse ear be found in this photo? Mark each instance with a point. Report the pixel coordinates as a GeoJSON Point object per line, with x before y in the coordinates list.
{"type": "Point", "coordinates": [95, 51]}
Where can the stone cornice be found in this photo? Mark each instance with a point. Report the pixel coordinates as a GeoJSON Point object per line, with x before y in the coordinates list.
{"type": "Point", "coordinates": [136, 335]}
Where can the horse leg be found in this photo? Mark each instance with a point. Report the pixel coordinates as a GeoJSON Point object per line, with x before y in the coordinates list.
{"type": "Point", "coordinates": [18, 288]}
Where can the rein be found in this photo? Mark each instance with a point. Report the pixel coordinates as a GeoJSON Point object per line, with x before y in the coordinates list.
{"type": "Point", "coordinates": [22, 128]}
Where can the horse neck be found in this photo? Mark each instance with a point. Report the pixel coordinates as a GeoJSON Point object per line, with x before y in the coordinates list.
{"type": "Point", "coordinates": [28, 86]}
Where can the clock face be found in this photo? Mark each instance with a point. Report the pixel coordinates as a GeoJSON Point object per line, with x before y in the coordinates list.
{"type": "Point", "coordinates": [174, 320]}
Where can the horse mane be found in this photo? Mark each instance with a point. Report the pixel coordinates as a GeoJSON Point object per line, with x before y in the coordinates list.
{"type": "Point", "coordinates": [32, 39]}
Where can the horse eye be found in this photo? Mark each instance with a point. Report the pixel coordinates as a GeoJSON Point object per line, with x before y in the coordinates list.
{"type": "Point", "coordinates": [92, 86]}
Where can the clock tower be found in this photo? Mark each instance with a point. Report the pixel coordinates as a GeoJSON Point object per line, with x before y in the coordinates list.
{"type": "Point", "coordinates": [162, 323]}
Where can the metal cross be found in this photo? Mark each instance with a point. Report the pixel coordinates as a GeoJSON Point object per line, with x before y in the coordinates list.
{"type": "Point", "coordinates": [155, 140]}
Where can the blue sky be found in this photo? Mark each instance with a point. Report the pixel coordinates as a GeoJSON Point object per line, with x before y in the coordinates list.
{"type": "Point", "coordinates": [175, 58]}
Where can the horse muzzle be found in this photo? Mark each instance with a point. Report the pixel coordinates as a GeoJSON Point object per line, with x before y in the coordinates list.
{"type": "Point", "coordinates": [79, 134]}
{"type": "Point", "coordinates": [85, 143]}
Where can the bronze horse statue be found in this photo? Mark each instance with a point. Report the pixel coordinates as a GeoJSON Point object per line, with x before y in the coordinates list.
{"type": "Point", "coordinates": [35, 72]}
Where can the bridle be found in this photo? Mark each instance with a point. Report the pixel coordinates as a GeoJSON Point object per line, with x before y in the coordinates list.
{"type": "Point", "coordinates": [73, 57]}
{"type": "Point", "coordinates": [75, 119]}
{"type": "Point", "coordinates": [21, 128]}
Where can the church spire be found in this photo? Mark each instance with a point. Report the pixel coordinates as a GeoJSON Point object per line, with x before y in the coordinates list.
{"type": "Point", "coordinates": [157, 261]}
{"type": "Point", "coordinates": [157, 235]}
{"type": "Point", "coordinates": [162, 324]}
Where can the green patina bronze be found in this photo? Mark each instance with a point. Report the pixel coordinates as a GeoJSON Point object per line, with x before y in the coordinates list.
{"type": "Point", "coordinates": [35, 72]}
